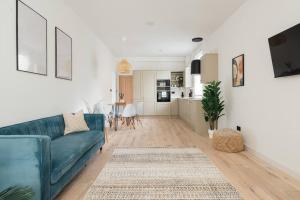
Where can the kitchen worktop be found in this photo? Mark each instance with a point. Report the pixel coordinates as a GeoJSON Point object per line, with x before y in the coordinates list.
{"type": "Point", "coordinates": [191, 98]}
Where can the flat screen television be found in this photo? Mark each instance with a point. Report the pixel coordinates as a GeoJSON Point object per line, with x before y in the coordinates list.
{"type": "Point", "coordinates": [285, 52]}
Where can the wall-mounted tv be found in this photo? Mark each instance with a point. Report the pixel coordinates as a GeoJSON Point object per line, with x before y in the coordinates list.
{"type": "Point", "coordinates": [285, 52]}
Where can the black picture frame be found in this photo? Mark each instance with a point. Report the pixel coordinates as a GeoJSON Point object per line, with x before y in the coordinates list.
{"type": "Point", "coordinates": [57, 31]}
{"type": "Point", "coordinates": [235, 71]}
{"type": "Point", "coordinates": [18, 67]}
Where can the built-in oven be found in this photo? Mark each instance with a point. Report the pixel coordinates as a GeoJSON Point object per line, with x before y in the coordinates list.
{"type": "Point", "coordinates": [164, 96]}
{"type": "Point", "coordinates": [163, 90]}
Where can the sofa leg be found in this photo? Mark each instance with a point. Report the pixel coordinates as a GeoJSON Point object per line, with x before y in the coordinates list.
{"type": "Point", "coordinates": [100, 149]}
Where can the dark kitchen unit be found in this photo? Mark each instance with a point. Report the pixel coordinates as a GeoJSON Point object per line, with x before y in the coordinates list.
{"type": "Point", "coordinates": [163, 89]}
{"type": "Point", "coordinates": [196, 67]}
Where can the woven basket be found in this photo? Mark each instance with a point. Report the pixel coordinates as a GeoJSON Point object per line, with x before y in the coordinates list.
{"type": "Point", "coordinates": [228, 140]}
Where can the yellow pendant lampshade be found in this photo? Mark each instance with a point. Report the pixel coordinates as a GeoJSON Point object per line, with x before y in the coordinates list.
{"type": "Point", "coordinates": [124, 67]}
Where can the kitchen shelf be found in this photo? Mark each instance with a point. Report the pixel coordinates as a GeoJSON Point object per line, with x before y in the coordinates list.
{"type": "Point", "coordinates": [177, 79]}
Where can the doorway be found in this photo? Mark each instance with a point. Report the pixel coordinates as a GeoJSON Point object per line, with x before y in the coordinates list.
{"type": "Point", "coordinates": [126, 88]}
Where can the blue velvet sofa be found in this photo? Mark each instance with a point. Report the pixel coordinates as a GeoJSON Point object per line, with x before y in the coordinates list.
{"type": "Point", "coordinates": [37, 154]}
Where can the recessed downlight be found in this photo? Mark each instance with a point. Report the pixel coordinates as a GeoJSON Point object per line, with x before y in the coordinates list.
{"type": "Point", "coordinates": [150, 23]}
{"type": "Point", "coordinates": [124, 39]}
{"type": "Point", "coordinates": [197, 39]}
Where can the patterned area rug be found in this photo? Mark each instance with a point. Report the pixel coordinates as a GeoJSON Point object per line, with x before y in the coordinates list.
{"type": "Point", "coordinates": [161, 173]}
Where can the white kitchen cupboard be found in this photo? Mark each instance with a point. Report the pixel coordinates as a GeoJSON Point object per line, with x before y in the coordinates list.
{"type": "Point", "coordinates": [188, 77]}
{"type": "Point", "coordinates": [137, 85]}
{"type": "Point", "coordinates": [186, 110]}
{"type": "Point", "coordinates": [209, 68]}
{"type": "Point", "coordinates": [144, 93]}
{"type": "Point", "coordinates": [162, 108]}
{"type": "Point", "coordinates": [149, 91]}
{"type": "Point", "coordinates": [138, 98]}
{"type": "Point", "coordinates": [174, 107]}
{"type": "Point", "coordinates": [139, 105]}
{"type": "Point", "coordinates": [163, 75]}
{"type": "Point", "coordinates": [180, 108]}
{"type": "Point", "coordinates": [149, 107]}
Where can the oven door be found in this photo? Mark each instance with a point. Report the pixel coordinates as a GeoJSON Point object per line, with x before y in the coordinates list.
{"type": "Point", "coordinates": [163, 96]}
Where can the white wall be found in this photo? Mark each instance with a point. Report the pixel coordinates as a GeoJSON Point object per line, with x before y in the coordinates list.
{"type": "Point", "coordinates": [158, 63]}
{"type": "Point", "coordinates": [25, 96]}
{"type": "Point", "coordinates": [266, 108]}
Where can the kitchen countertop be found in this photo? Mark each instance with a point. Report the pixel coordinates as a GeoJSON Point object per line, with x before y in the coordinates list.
{"type": "Point", "coordinates": [189, 98]}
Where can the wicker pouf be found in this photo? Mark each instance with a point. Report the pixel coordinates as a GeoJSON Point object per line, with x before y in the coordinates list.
{"type": "Point", "coordinates": [228, 140]}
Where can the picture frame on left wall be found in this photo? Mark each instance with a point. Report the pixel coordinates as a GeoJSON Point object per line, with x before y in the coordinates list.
{"type": "Point", "coordinates": [31, 33]}
{"type": "Point", "coordinates": [63, 55]}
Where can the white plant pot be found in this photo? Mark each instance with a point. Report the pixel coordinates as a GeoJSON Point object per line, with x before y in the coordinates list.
{"type": "Point", "coordinates": [211, 133]}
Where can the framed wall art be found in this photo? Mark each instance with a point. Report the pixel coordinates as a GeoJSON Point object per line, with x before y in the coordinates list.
{"type": "Point", "coordinates": [63, 55]}
{"type": "Point", "coordinates": [238, 76]}
{"type": "Point", "coordinates": [31, 40]}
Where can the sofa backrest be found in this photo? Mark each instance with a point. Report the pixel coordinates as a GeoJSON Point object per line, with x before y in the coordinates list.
{"type": "Point", "coordinates": [51, 126]}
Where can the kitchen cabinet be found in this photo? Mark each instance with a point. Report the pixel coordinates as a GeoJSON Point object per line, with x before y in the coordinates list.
{"type": "Point", "coordinates": [162, 108]}
{"type": "Point", "coordinates": [149, 91]}
{"type": "Point", "coordinates": [138, 99]}
{"type": "Point", "coordinates": [163, 75]}
{"type": "Point", "coordinates": [180, 107]}
{"type": "Point", "coordinates": [174, 107]}
{"type": "Point", "coordinates": [149, 107]}
{"type": "Point", "coordinates": [144, 93]}
{"type": "Point", "coordinates": [197, 120]}
{"type": "Point", "coordinates": [190, 111]}
{"type": "Point", "coordinates": [209, 68]}
{"type": "Point", "coordinates": [137, 85]}
{"type": "Point", "coordinates": [177, 79]}
{"type": "Point", "coordinates": [139, 105]}
{"type": "Point", "coordinates": [186, 110]}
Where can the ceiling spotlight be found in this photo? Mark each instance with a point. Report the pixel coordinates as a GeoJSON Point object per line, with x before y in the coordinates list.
{"type": "Point", "coordinates": [124, 39]}
{"type": "Point", "coordinates": [150, 23]}
{"type": "Point", "coordinates": [197, 39]}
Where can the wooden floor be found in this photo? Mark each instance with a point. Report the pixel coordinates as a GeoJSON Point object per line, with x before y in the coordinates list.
{"type": "Point", "coordinates": [252, 177]}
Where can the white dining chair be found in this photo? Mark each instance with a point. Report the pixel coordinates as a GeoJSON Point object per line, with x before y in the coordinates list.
{"type": "Point", "coordinates": [129, 115]}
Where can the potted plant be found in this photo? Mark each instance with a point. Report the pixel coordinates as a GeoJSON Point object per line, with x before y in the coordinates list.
{"type": "Point", "coordinates": [213, 105]}
{"type": "Point", "coordinates": [17, 193]}
{"type": "Point", "coordinates": [121, 97]}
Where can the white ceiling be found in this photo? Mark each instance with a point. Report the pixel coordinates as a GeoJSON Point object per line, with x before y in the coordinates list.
{"type": "Point", "coordinates": [173, 23]}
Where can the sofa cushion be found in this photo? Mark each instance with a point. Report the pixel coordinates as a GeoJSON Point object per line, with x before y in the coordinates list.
{"type": "Point", "coordinates": [74, 122]}
{"type": "Point", "coordinates": [68, 149]}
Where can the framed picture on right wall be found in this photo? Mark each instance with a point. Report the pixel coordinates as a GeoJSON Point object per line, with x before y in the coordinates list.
{"type": "Point", "coordinates": [63, 55]}
{"type": "Point", "coordinates": [238, 76]}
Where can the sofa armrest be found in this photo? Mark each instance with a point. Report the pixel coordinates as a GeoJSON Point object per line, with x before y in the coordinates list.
{"type": "Point", "coordinates": [25, 161]}
{"type": "Point", "coordinates": [95, 121]}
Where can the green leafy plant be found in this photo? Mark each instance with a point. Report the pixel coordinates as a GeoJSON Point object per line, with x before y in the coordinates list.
{"type": "Point", "coordinates": [17, 193]}
{"type": "Point", "coordinates": [212, 104]}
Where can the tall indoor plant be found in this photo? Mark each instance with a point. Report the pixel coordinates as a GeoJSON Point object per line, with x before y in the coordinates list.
{"type": "Point", "coordinates": [213, 105]}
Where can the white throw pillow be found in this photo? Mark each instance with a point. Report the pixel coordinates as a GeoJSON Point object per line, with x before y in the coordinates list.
{"type": "Point", "coordinates": [75, 122]}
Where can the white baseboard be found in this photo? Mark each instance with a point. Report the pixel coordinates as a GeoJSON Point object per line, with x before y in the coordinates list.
{"type": "Point", "coordinates": [273, 163]}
